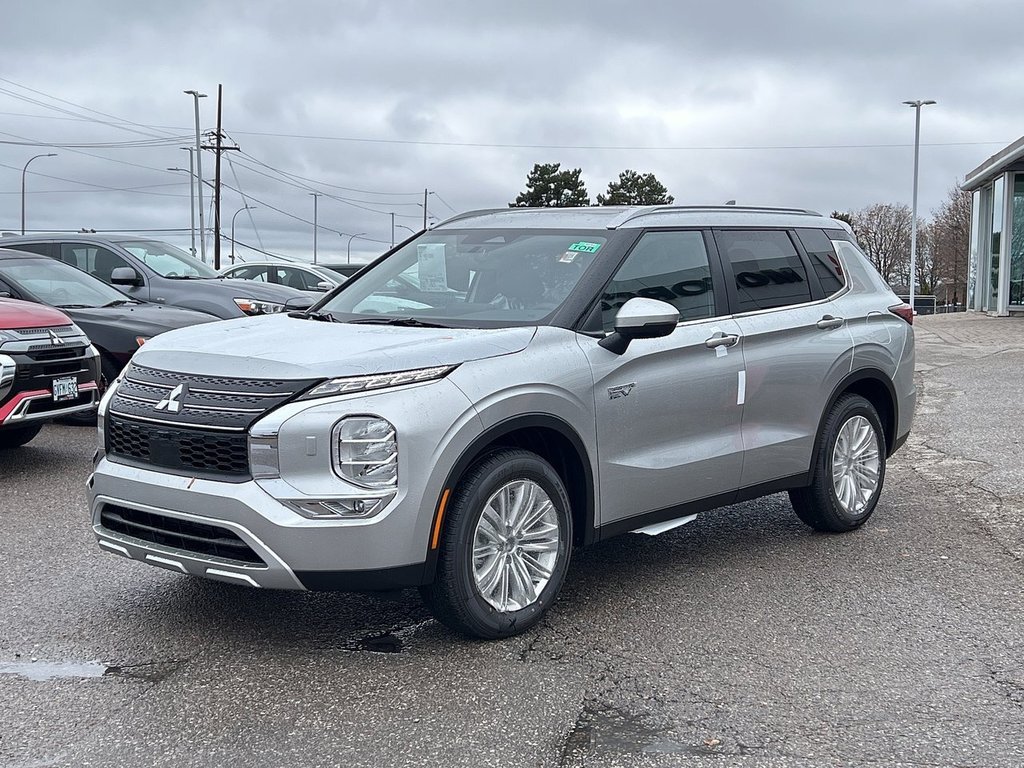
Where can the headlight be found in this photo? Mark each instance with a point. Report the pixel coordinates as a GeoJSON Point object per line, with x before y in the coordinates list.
{"type": "Point", "coordinates": [379, 381]}
{"type": "Point", "coordinates": [140, 340]}
{"type": "Point", "coordinates": [253, 307]}
{"type": "Point", "coordinates": [366, 451]}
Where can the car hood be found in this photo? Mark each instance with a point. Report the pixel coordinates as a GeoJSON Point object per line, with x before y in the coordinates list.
{"type": "Point", "coordinates": [139, 319]}
{"type": "Point", "coordinates": [279, 346]}
{"type": "Point", "coordinates": [16, 314]}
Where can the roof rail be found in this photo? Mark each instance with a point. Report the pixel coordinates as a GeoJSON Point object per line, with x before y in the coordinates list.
{"type": "Point", "coordinates": [474, 214]}
{"type": "Point", "coordinates": [649, 210]}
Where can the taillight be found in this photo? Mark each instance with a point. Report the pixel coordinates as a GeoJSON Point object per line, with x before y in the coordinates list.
{"type": "Point", "coordinates": [904, 311]}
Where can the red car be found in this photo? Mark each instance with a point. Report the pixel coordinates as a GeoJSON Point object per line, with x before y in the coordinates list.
{"type": "Point", "coordinates": [48, 369]}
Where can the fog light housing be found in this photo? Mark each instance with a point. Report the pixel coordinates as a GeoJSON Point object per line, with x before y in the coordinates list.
{"type": "Point", "coordinates": [358, 508]}
{"type": "Point", "coordinates": [365, 451]}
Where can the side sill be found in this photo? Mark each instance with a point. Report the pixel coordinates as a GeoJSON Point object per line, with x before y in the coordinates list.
{"type": "Point", "coordinates": [628, 524]}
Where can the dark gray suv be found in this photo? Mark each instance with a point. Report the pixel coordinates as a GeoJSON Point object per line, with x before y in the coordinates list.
{"type": "Point", "coordinates": [151, 270]}
{"type": "Point", "coordinates": [563, 376]}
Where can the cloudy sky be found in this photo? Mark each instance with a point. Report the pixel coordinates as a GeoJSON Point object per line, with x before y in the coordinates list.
{"type": "Point", "coordinates": [368, 103]}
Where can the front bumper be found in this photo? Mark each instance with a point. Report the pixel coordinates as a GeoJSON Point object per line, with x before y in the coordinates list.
{"type": "Point", "coordinates": [285, 550]}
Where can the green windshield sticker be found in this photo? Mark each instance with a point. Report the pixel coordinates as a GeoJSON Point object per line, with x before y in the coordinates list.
{"type": "Point", "coordinates": [582, 247]}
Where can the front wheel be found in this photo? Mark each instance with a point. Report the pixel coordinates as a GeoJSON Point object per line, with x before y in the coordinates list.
{"type": "Point", "coordinates": [848, 471]}
{"type": "Point", "coordinates": [506, 549]}
{"type": "Point", "coordinates": [17, 436]}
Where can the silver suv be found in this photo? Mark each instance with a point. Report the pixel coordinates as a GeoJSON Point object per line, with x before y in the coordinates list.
{"type": "Point", "coordinates": [561, 376]}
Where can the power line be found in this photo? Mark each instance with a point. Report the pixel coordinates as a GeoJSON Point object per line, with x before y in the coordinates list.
{"type": "Point", "coordinates": [86, 183]}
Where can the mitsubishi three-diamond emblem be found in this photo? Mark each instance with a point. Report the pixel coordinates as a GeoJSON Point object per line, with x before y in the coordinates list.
{"type": "Point", "coordinates": [171, 403]}
{"type": "Point", "coordinates": [54, 338]}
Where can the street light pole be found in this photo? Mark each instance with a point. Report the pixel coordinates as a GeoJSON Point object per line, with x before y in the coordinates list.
{"type": "Point", "coordinates": [392, 229]}
{"type": "Point", "coordinates": [316, 196]}
{"type": "Point", "coordinates": [348, 249]}
{"type": "Point", "coordinates": [196, 96]}
{"type": "Point", "coordinates": [23, 170]}
{"type": "Point", "coordinates": [917, 104]}
{"type": "Point", "coordinates": [243, 208]}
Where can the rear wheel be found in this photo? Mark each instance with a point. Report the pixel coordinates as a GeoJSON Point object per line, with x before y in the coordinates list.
{"type": "Point", "coordinates": [15, 437]}
{"type": "Point", "coordinates": [506, 548]}
{"type": "Point", "coordinates": [849, 470]}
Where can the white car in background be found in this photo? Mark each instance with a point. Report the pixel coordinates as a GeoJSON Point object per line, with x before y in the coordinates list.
{"type": "Point", "coordinates": [304, 277]}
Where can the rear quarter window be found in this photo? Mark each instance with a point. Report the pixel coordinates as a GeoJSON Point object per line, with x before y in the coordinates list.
{"type": "Point", "coordinates": [824, 260]}
{"type": "Point", "coordinates": [765, 268]}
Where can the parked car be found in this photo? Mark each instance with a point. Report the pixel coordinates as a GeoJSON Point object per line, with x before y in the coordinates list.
{"type": "Point", "coordinates": [302, 277]}
{"type": "Point", "coordinates": [345, 270]}
{"type": "Point", "coordinates": [116, 324]}
{"type": "Point", "coordinates": [48, 369]}
{"type": "Point", "coordinates": [577, 374]}
{"type": "Point", "coordinates": [150, 270]}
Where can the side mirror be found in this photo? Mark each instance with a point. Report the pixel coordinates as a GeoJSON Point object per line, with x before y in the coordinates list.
{"type": "Point", "coordinates": [299, 303]}
{"type": "Point", "coordinates": [324, 286]}
{"type": "Point", "coordinates": [5, 295]}
{"type": "Point", "coordinates": [640, 319]}
{"type": "Point", "coordinates": [125, 276]}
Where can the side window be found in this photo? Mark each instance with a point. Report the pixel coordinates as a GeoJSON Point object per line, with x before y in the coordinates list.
{"type": "Point", "coordinates": [258, 274]}
{"type": "Point", "coordinates": [293, 278]}
{"type": "Point", "coordinates": [670, 266]}
{"type": "Point", "coordinates": [824, 261]}
{"type": "Point", "coordinates": [43, 249]}
{"type": "Point", "coordinates": [766, 267]}
{"type": "Point", "coordinates": [98, 262]}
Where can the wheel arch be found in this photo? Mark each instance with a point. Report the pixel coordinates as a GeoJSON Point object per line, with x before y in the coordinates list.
{"type": "Point", "coordinates": [551, 438]}
{"type": "Point", "coordinates": [875, 387]}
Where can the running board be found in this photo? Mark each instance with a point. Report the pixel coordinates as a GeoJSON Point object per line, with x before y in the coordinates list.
{"type": "Point", "coordinates": [668, 525]}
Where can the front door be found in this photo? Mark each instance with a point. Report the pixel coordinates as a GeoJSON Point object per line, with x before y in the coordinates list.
{"type": "Point", "coordinates": [668, 418]}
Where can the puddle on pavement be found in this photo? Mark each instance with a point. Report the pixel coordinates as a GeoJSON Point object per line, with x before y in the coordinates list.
{"type": "Point", "coordinates": [387, 641]}
{"type": "Point", "coordinates": [41, 671]}
{"type": "Point", "coordinates": [607, 729]}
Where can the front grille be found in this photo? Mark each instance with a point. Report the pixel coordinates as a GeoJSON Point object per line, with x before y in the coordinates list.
{"type": "Point", "coordinates": [205, 402]}
{"type": "Point", "coordinates": [185, 451]}
{"type": "Point", "coordinates": [173, 532]}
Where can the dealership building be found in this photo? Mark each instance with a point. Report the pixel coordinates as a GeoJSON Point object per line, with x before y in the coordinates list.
{"type": "Point", "coordinates": [995, 277]}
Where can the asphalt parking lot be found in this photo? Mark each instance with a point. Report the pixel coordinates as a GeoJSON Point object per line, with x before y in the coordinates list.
{"type": "Point", "coordinates": [741, 639]}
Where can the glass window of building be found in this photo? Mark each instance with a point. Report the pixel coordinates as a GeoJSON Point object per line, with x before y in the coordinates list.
{"type": "Point", "coordinates": [1016, 260]}
{"type": "Point", "coordinates": [998, 202]}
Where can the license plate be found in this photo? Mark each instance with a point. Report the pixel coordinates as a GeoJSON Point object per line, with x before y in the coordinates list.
{"type": "Point", "coordinates": [65, 389]}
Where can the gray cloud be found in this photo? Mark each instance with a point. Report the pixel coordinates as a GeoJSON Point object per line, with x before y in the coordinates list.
{"type": "Point", "coordinates": [703, 82]}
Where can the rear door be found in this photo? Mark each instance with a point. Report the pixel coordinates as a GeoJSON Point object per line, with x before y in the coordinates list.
{"type": "Point", "coordinates": [796, 348]}
{"type": "Point", "coordinates": [668, 423]}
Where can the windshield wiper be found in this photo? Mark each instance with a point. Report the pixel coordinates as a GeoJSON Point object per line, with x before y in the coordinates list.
{"type": "Point", "coordinates": [324, 317]}
{"type": "Point", "coordinates": [409, 322]}
{"type": "Point", "coordinates": [119, 303]}
{"type": "Point", "coordinates": [75, 306]}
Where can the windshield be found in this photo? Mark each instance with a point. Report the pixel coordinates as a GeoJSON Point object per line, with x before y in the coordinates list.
{"type": "Point", "coordinates": [167, 260]}
{"type": "Point", "coordinates": [474, 278]}
{"type": "Point", "coordinates": [58, 284]}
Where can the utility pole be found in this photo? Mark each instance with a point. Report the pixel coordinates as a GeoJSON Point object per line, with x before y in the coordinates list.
{"type": "Point", "coordinates": [196, 96]}
{"type": "Point", "coordinates": [218, 148]}
{"type": "Point", "coordinates": [316, 196]}
{"type": "Point", "coordinates": [425, 193]}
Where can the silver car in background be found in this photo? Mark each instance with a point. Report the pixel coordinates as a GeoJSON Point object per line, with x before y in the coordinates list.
{"type": "Point", "coordinates": [565, 375]}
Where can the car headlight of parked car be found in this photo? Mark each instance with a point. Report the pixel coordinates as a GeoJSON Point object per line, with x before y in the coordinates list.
{"type": "Point", "coordinates": [366, 451]}
{"type": "Point", "coordinates": [254, 307]}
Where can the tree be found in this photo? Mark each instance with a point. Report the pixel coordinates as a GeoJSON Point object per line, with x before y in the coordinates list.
{"type": "Point", "coordinates": [883, 231]}
{"type": "Point", "coordinates": [634, 188]}
{"type": "Point", "coordinates": [846, 216]}
{"type": "Point", "coordinates": [950, 236]}
{"type": "Point", "coordinates": [547, 186]}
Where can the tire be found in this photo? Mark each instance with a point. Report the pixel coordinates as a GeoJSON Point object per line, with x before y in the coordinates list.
{"type": "Point", "coordinates": [469, 594]}
{"type": "Point", "coordinates": [837, 501]}
{"type": "Point", "coordinates": [17, 436]}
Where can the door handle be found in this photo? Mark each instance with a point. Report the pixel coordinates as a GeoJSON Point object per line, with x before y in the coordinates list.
{"type": "Point", "coordinates": [722, 340]}
{"type": "Point", "coordinates": [828, 322]}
